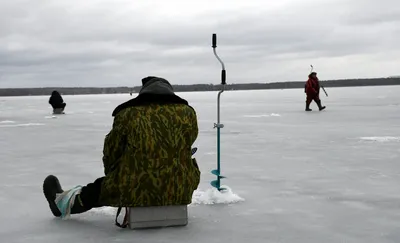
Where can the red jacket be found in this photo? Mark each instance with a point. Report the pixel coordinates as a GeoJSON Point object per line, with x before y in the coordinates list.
{"type": "Point", "coordinates": [312, 87]}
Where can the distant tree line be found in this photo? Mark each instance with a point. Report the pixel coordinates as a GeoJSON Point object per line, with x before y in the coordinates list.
{"type": "Point", "coordinates": [198, 87]}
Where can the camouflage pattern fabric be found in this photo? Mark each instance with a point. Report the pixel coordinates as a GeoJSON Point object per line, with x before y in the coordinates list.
{"type": "Point", "coordinates": [147, 157]}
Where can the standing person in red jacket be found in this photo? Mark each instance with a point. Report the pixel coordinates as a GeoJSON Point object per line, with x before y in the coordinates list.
{"type": "Point", "coordinates": [312, 90]}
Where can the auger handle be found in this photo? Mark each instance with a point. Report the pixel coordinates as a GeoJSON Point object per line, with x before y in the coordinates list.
{"type": "Point", "coordinates": [223, 72]}
{"type": "Point", "coordinates": [214, 41]}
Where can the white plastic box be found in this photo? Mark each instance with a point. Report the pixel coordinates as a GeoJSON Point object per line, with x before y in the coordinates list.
{"type": "Point", "coordinates": [58, 111]}
{"type": "Point", "coordinates": [155, 217]}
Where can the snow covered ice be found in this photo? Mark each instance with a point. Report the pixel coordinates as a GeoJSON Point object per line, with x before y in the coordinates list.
{"type": "Point", "coordinates": [330, 176]}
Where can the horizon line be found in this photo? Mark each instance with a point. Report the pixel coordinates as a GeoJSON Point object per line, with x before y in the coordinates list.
{"type": "Point", "coordinates": [105, 87]}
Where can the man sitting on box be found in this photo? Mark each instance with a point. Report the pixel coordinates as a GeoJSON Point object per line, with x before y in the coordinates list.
{"type": "Point", "coordinates": [147, 156]}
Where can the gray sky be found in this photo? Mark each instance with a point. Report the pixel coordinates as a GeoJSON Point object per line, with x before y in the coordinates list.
{"type": "Point", "coordinates": [118, 42]}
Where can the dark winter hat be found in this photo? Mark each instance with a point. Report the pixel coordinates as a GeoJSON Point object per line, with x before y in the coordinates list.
{"type": "Point", "coordinates": [311, 74]}
{"type": "Point", "coordinates": [156, 85]}
{"type": "Point", "coordinates": [147, 79]}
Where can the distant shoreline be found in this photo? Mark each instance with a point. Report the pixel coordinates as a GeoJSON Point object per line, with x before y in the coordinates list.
{"type": "Point", "coordinates": [198, 87]}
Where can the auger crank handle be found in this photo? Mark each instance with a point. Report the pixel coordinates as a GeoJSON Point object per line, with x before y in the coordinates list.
{"type": "Point", "coordinates": [223, 77]}
{"type": "Point", "coordinates": [214, 40]}
{"type": "Point", "coordinates": [223, 72]}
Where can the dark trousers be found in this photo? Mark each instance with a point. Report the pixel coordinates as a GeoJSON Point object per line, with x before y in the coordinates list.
{"type": "Point", "coordinates": [311, 98]}
{"type": "Point", "coordinates": [59, 106]}
{"type": "Point", "coordinates": [90, 194]}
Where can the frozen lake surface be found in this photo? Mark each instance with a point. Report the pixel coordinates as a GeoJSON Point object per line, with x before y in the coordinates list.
{"type": "Point", "coordinates": [331, 176]}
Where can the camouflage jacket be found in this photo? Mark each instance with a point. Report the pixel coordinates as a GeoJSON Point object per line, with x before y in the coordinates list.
{"type": "Point", "coordinates": [147, 154]}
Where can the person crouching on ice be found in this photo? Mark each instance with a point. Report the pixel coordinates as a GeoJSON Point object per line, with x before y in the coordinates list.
{"type": "Point", "coordinates": [312, 89]}
{"type": "Point", "coordinates": [147, 156]}
{"type": "Point", "coordinates": [56, 101]}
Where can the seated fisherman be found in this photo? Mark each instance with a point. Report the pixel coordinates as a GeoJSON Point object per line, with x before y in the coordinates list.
{"type": "Point", "coordinates": [56, 101]}
{"type": "Point", "coordinates": [147, 156]}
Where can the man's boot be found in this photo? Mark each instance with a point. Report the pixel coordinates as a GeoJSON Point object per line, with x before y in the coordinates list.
{"type": "Point", "coordinates": [52, 187]}
{"type": "Point", "coordinates": [308, 106]}
{"type": "Point", "coordinates": [320, 106]}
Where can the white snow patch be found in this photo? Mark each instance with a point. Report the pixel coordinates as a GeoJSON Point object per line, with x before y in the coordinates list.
{"type": "Point", "coordinates": [23, 125]}
{"type": "Point", "coordinates": [381, 139]}
{"type": "Point", "coordinates": [106, 211]}
{"type": "Point", "coordinates": [6, 122]}
{"type": "Point", "coordinates": [213, 196]}
{"type": "Point", "coordinates": [262, 115]}
{"type": "Point", "coordinates": [256, 116]}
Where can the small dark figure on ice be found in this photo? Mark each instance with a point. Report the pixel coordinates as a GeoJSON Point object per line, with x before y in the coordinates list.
{"type": "Point", "coordinates": [57, 102]}
{"type": "Point", "coordinates": [312, 89]}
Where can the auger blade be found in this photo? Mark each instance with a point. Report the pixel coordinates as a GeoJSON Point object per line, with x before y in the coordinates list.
{"type": "Point", "coordinates": [215, 184]}
{"type": "Point", "coordinates": [216, 172]}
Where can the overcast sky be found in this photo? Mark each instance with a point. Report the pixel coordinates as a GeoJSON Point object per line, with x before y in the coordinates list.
{"type": "Point", "coordinates": [118, 42]}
